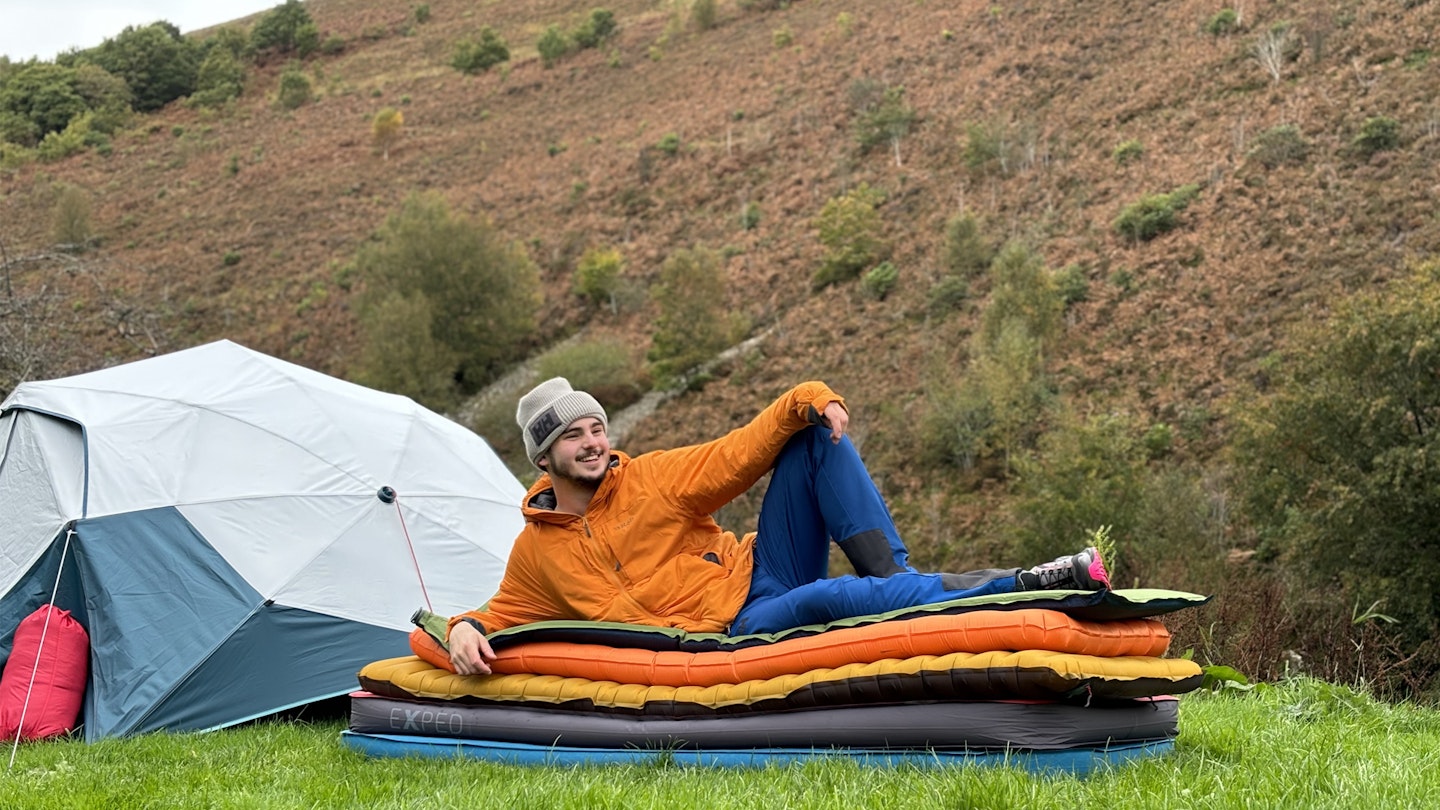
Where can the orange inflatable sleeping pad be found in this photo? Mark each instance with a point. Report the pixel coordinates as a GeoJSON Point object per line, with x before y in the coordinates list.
{"type": "Point", "coordinates": [973, 632]}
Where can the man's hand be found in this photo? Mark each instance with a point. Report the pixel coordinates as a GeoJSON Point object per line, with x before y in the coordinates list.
{"type": "Point", "coordinates": [469, 650]}
{"type": "Point", "coordinates": [838, 419]}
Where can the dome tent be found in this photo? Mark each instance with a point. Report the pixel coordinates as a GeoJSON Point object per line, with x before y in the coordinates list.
{"type": "Point", "coordinates": [238, 534]}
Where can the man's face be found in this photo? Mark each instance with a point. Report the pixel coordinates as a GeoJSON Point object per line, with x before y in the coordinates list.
{"type": "Point", "coordinates": [581, 454]}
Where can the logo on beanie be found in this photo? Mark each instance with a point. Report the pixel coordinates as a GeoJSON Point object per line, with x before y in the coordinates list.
{"type": "Point", "coordinates": [543, 426]}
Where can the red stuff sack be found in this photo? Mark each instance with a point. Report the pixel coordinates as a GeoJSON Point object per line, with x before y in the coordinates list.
{"type": "Point", "coordinates": [59, 676]}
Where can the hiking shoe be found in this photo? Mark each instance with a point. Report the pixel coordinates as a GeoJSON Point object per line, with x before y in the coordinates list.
{"type": "Point", "coordinates": [1084, 571]}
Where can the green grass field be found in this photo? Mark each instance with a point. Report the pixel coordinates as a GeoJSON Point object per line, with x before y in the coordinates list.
{"type": "Point", "coordinates": [1303, 743]}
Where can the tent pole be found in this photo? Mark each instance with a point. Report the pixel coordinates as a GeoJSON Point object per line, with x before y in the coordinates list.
{"type": "Point", "coordinates": [44, 630]}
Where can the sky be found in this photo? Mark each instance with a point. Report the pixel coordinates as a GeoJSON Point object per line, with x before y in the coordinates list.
{"type": "Point", "coordinates": [44, 28]}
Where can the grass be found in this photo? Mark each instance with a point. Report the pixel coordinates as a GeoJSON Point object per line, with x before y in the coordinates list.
{"type": "Point", "coordinates": [1303, 743]}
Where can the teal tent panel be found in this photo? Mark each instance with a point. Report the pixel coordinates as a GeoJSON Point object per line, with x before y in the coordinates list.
{"type": "Point", "coordinates": [34, 589]}
{"type": "Point", "coordinates": [158, 601]}
{"type": "Point", "coordinates": [279, 658]}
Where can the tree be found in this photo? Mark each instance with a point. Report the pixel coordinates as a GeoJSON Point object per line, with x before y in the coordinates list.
{"type": "Point", "coordinates": [231, 38]}
{"type": "Point", "coordinates": [287, 28]}
{"type": "Point", "coordinates": [1274, 48]}
{"type": "Point", "coordinates": [43, 94]}
{"type": "Point", "coordinates": [386, 128]}
{"type": "Point", "coordinates": [966, 252]}
{"type": "Point", "coordinates": [597, 275]}
{"type": "Point", "coordinates": [849, 228]}
{"type": "Point", "coordinates": [1022, 291]}
{"type": "Point", "coordinates": [156, 62]}
{"type": "Point", "coordinates": [1340, 459]}
{"type": "Point", "coordinates": [448, 290]}
{"type": "Point", "coordinates": [883, 118]}
{"type": "Point", "coordinates": [1085, 473]}
{"type": "Point", "coordinates": [691, 328]}
{"type": "Point", "coordinates": [1004, 390]}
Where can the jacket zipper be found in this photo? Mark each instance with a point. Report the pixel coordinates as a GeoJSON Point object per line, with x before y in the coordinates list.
{"type": "Point", "coordinates": [614, 575]}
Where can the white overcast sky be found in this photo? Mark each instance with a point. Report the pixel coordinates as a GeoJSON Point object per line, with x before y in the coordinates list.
{"type": "Point", "coordinates": [45, 28]}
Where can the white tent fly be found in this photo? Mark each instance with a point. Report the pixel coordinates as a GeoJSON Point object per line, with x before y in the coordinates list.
{"type": "Point", "coordinates": [238, 534]}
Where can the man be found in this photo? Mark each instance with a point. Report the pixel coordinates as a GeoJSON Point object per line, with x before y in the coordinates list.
{"type": "Point", "coordinates": [609, 537]}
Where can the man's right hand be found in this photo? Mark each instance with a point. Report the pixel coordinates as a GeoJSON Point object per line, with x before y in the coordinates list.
{"type": "Point", "coordinates": [470, 652]}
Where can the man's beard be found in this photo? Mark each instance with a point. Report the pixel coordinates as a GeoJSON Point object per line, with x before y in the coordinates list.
{"type": "Point", "coordinates": [570, 471]}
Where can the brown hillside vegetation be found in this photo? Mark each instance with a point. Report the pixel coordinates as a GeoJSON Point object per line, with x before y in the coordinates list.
{"type": "Point", "coordinates": [242, 223]}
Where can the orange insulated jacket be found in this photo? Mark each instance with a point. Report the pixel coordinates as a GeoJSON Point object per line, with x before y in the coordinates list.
{"type": "Point", "coordinates": [647, 550]}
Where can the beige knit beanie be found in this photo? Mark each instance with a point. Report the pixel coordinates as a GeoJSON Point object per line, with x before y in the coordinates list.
{"type": "Point", "coordinates": [548, 409]}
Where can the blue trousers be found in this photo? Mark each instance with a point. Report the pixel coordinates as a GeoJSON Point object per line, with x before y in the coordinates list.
{"type": "Point", "coordinates": [820, 491]}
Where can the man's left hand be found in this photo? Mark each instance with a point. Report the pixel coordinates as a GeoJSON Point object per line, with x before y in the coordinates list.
{"type": "Point", "coordinates": [838, 419]}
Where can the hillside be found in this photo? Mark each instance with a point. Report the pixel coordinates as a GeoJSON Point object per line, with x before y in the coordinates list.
{"type": "Point", "coordinates": [240, 224]}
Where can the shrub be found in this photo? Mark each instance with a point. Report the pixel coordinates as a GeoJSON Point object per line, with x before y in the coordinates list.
{"type": "Point", "coordinates": [220, 79]}
{"type": "Point", "coordinates": [333, 45]}
{"type": "Point", "coordinates": [1377, 134]}
{"type": "Point", "coordinates": [1279, 146]}
{"type": "Point", "coordinates": [1225, 21]}
{"type": "Point", "coordinates": [879, 280]}
{"type": "Point", "coordinates": [422, 13]}
{"type": "Point", "coordinates": [69, 141]}
{"type": "Point", "coordinates": [750, 216]}
{"type": "Point", "coordinates": [597, 275]}
{"type": "Point", "coordinates": [948, 294]}
{"type": "Point", "coordinates": [1158, 441]}
{"type": "Point", "coordinates": [603, 367]}
{"type": "Point", "coordinates": [703, 14]}
{"type": "Point", "coordinates": [986, 147]}
{"type": "Point", "coordinates": [1072, 284]}
{"type": "Point", "coordinates": [487, 50]}
{"type": "Point", "coordinates": [782, 37]}
{"type": "Point", "coordinates": [596, 29]}
{"type": "Point", "coordinates": [553, 45]}
{"type": "Point", "coordinates": [1127, 152]}
{"type": "Point", "coordinates": [295, 89]}
{"type": "Point", "coordinates": [1154, 214]}
{"type": "Point", "coordinates": [669, 143]}
{"type": "Point", "coordinates": [691, 327]}
{"type": "Point", "coordinates": [70, 218]}
{"type": "Point", "coordinates": [16, 129]}
{"type": "Point", "coordinates": [849, 228]}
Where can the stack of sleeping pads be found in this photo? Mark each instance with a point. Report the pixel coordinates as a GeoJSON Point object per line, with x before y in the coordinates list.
{"type": "Point", "coordinates": [1042, 680]}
